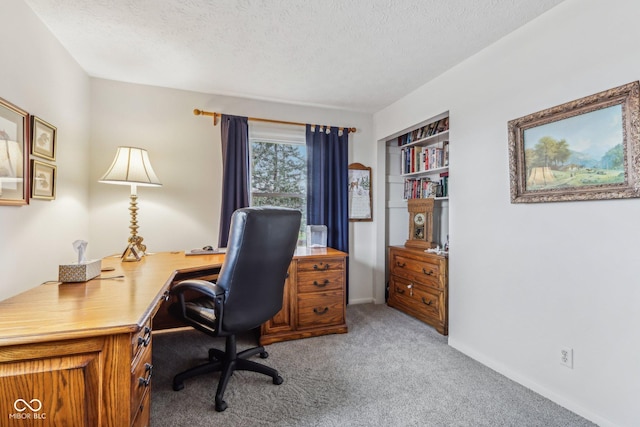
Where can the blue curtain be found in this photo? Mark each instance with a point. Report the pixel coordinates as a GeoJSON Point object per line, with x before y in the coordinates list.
{"type": "Point", "coordinates": [327, 189]}
{"type": "Point", "coordinates": [235, 171]}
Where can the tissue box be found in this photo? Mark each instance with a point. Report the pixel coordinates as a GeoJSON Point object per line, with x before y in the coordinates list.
{"type": "Point", "coordinates": [79, 272]}
{"type": "Point", "coordinates": [316, 236]}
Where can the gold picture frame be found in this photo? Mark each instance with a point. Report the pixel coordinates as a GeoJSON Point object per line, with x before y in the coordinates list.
{"type": "Point", "coordinates": [43, 180]}
{"type": "Point", "coordinates": [14, 163]}
{"type": "Point", "coordinates": [586, 149]}
{"type": "Point", "coordinates": [43, 139]}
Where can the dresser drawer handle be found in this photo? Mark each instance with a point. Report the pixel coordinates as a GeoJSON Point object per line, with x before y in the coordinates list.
{"type": "Point", "coordinates": [319, 312]}
{"type": "Point", "coordinates": [144, 382]}
{"type": "Point", "coordinates": [399, 290]}
{"type": "Point", "coordinates": [401, 264]}
{"type": "Point", "coordinates": [321, 285]}
{"type": "Point", "coordinates": [428, 273]}
{"type": "Point", "coordinates": [326, 266]}
{"type": "Point", "coordinates": [424, 300]}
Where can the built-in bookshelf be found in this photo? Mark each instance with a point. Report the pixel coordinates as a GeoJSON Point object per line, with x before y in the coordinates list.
{"type": "Point", "coordinates": [424, 160]}
{"type": "Point", "coordinates": [417, 163]}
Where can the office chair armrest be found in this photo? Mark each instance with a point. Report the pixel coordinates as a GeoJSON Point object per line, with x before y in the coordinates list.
{"type": "Point", "coordinates": [202, 286]}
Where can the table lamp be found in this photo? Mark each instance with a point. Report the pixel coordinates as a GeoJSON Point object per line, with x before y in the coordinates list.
{"type": "Point", "coordinates": [131, 166]}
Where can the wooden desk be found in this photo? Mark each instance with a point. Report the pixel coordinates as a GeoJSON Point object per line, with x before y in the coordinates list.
{"type": "Point", "coordinates": [80, 354]}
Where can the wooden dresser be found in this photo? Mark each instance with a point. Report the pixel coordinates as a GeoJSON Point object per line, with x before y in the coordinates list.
{"type": "Point", "coordinates": [418, 285]}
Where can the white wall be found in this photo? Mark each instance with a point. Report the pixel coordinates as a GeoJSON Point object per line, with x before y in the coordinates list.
{"type": "Point", "coordinates": [186, 155]}
{"type": "Point", "coordinates": [39, 76]}
{"type": "Point", "coordinates": [528, 279]}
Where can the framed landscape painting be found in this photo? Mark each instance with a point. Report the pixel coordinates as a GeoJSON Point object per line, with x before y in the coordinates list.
{"type": "Point", "coordinates": [586, 149]}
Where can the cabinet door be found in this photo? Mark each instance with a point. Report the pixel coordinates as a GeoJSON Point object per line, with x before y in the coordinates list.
{"type": "Point", "coordinates": [27, 391]}
{"type": "Point", "coordinates": [282, 322]}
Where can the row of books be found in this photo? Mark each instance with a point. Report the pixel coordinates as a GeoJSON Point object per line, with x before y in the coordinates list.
{"type": "Point", "coordinates": [419, 159]}
{"type": "Point", "coordinates": [431, 129]}
{"type": "Point", "coordinates": [422, 188]}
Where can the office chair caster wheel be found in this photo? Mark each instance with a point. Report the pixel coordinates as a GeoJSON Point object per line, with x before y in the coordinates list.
{"type": "Point", "coordinates": [264, 355]}
{"type": "Point", "coordinates": [278, 380]}
{"type": "Point", "coordinates": [221, 405]}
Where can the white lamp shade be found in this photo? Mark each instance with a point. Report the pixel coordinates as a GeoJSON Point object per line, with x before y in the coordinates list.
{"type": "Point", "coordinates": [131, 166]}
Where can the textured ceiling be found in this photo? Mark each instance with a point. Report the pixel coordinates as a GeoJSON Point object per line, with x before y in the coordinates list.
{"type": "Point", "coordinates": [351, 54]}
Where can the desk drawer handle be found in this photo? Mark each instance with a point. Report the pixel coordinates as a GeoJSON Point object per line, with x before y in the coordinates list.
{"type": "Point", "coordinates": [401, 264]}
{"type": "Point", "coordinates": [399, 290]}
{"type": "Point", "coordinates": [319, 312]}
{"type": "Point", "coordinates": [326, 266]}
{"type": "Point", "coordinates": [321, 285]}
{"type": "Point", "coordinates": [144, 382]}
{"type": "Point", "coordinates": [146, 339]}
{"type": "Point", "coordinates": [424, 300]}
{"type": "Point", "coordinates": [428, 273]}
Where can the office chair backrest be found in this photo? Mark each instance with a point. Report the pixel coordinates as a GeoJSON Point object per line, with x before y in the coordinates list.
{"type": "Point", "coordinates": [261, 244]}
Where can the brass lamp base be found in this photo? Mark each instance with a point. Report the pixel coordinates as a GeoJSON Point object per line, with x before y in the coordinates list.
{"type": "Point", "coordinates": [136, 249]}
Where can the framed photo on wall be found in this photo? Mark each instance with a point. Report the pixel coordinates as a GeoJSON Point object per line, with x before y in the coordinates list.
{"type": "Point", "coordinates": [586, 149]}
{"type": "Point", "coordinates": [43, 139]}
{"type": "Point", "coordinates": [360, 193]}
{"type": "Point", "coordinates": [14, 164]}
{"type": "Point", "coordinates": [43, 180]}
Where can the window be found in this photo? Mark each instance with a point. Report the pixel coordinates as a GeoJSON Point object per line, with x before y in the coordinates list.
{"type": "Point", "coordinates": [279, 168]}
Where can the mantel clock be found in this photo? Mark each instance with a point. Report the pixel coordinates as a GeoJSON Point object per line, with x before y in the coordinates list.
{"type": "Point", "coordinates": [420, 223]}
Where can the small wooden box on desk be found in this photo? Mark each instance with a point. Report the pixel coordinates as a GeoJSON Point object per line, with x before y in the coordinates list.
{"type": "Point", "coordinates": [418, 285]}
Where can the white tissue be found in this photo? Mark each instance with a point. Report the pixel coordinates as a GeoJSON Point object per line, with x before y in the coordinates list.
{"type": "Point", "coordinates": [80, 246]}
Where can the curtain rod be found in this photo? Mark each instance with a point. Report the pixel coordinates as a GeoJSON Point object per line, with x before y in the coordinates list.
{"type": "Point", "coordinates": [216, 116]}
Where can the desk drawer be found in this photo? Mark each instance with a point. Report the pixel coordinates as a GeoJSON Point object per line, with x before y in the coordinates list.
{"type": "Point", "coordinates": [321, 264]}
{"type": "Point", "coordinates": [141, 340]}
{"type": "Point", "coordinates": [311, 281]}
{"type": "Point", "coordinates": [143, 416]}
{"type": "Point", "coordinates": [141, 373]}
{"type": "Point", "coordinates": [320, 309]}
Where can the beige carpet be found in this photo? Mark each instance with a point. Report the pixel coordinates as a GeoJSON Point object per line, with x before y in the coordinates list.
{"type": "Point", "coordinates": [389, 370]}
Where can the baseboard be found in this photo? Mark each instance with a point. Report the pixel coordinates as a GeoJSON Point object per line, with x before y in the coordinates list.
{"type": "Point", "coordinates": [362, 301]}
{"type": "Point", "coordinates": [532, 385]}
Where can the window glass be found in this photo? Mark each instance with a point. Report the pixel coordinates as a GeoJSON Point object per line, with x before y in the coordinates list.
{"type": "Point", "coordinates": [279, 169]}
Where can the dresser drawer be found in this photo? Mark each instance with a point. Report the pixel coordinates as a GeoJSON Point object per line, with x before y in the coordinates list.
{"type": "Point", "coordinates": [321, 264]}
{"type": "Point", "coordinates": [320, 309]}
{"type": "Point", "coordinates": [429, 302]}
{"type": "Point", "coordinates": [312, 281]}
{"type": "Point", "coordinates": [141, 372]}
{"type": "Point", "coordinates": [424, 271]}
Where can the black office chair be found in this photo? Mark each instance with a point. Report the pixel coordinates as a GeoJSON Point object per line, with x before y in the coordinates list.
{"type": "Point", "coordinates": [248, 292]}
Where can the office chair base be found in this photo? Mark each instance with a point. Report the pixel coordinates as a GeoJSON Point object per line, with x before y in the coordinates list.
{"type": "Point", "coordinates": [226, 362]}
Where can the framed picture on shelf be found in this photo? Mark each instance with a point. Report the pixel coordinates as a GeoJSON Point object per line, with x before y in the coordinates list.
{"type": "Point", "coordinates": [586, 149]}
{"type": "Point", "coordinates": [14, 164]}
{"type": "Point", "coordinates": [43, 180]}
{"type": "Point", "coordinates": [43, 139]}
{"type": "Point", "coordinates": [360, 193]}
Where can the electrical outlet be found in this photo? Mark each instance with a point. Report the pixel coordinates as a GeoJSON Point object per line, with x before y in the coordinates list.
{"type": "Point", "coordinates": [566, 357]}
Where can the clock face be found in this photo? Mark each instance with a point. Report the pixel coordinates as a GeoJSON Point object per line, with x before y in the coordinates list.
{"type": "Point", "coordinates": [419, 219]}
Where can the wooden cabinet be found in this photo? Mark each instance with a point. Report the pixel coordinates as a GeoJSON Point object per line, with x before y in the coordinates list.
{"type": "Point", "coordinates": [314, 298]}
{"type": "Point", "coordinates": [78, 382]}
{"type": "Point", "coordinates": [418, 285]}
